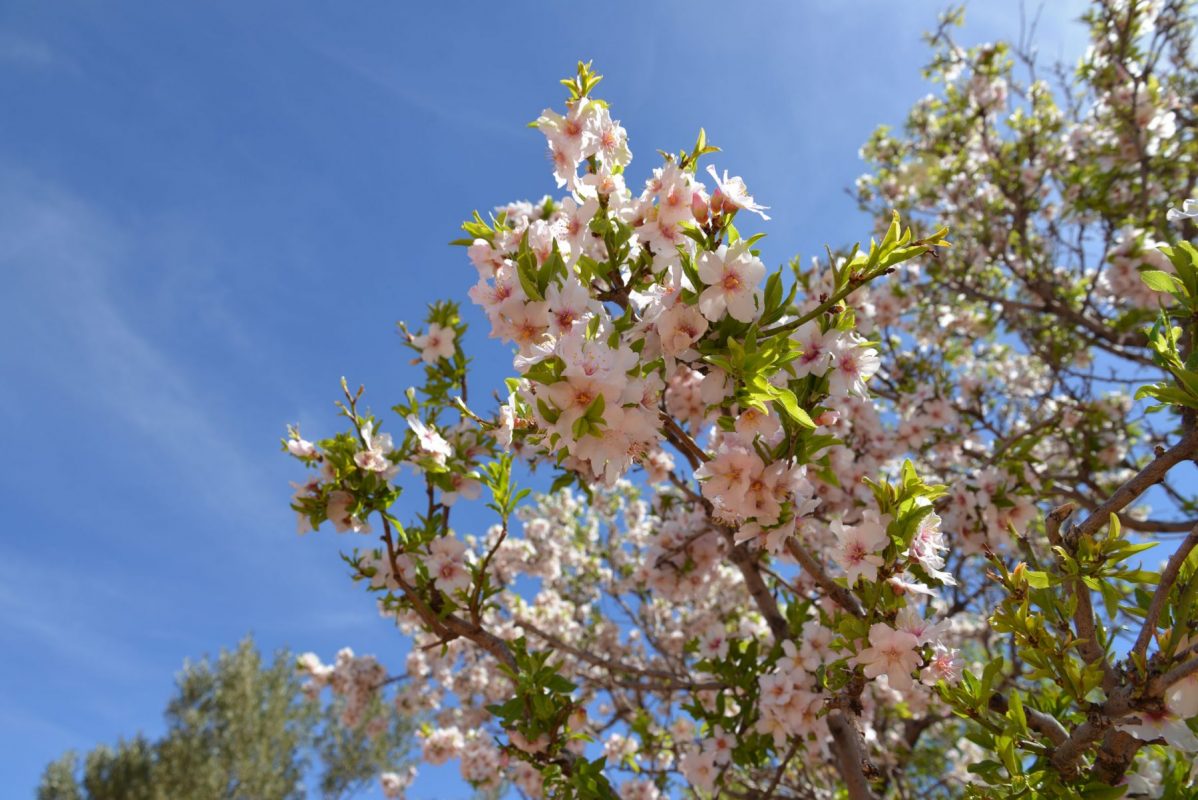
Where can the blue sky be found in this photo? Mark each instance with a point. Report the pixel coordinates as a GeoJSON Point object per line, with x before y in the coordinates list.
{"type": "Point", "coordinates": [209, 212]}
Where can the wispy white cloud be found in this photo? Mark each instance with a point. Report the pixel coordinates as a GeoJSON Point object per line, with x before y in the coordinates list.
{"type": "Point", "coordinates": [65, 307]}
{"type": "Point", "coordinates": [78, 362]}
{"type": "Point", "coordinates": [35, 726]}
{"type": "Point", "coordinates": [402, 82]}
{"type": "Point", "coordinates": [73, 345]}
{"type": "Point", "coordinates": [26, 52]}
{"type": "Point", "coordinates": [42, 610]}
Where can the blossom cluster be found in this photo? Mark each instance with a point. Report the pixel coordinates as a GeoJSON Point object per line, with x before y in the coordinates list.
{"type": "Point", "coordinates": [353, 679]}
{"type": "Point", "coordinates": [797, 521]}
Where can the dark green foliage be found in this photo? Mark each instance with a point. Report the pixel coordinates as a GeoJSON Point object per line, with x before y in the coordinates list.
{"type": "Point", "coordinates": [237, 728]}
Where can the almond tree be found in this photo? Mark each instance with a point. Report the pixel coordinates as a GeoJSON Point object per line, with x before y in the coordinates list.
{"type": "Point", "coordinates": [873, 526]}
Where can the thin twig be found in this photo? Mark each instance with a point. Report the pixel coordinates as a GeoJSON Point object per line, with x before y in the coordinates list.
{"type": "Point", "coordinates": [842, 596]}
{"type": "Point", "coordinates": [1161, 596]}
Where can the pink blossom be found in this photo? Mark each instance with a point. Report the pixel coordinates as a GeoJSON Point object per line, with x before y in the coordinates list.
{"type": "Point", "coordinates": [446, 564]}
{"type": "Point", "coordinates": [854, 363]}
{"type": "Point", "coordinates": [725, 478]}
{"type": "Point", "coordinates": [755, 422]}
{"type": "Point", "coordinates": [926, 546]}
{"type": "Point", "coordinates": [858, 547]}
{"type": "Point", "coordinates": [944, 665]}
{"type": "Point", "coordinates": [463, 486]}
{"type": "Point", "coordinates": [301, 448]}
{"type": "Point", "coordinates": [442, 744]}
{"type": "Point", "coordinates": [429, 441]}
{"type": "Point", "coordinates": [674, 193]}
{"type": "Point", "coordinates": [308, 489]}
{"type": "Point", "coordinates": [891, 653]}
{"type": "Point", "coordinates": [573, 224]}
{"type": "Point", "coordinates": [374, 457]}
{"type": "Point", "coordinates": [815, 349]}
{"type": "Point", "coordinates": [699, 769]}
{"type": "Point", "coordinates": [611, 141]}
{"type": "Point", "coordinates": [925, 631]}
{"type": "Point", "coordinates": [679, 327]}
{"type": "Point", "coordinates": [816, 647]}
{"type": "Point", "coordinates": [571, 138]}
{"type": "Point", "coordinates": [436, 344]}
{"type": "Point", "coordinates": [338, 511]}
{"type": "Point", "coordinates": [1189, 210]}
{"type": "Point", "coordinates": [568, 303]}
{"type": "Point", "coordinates": [713, 642]}
{"type": "Point", "coordinates": [526, 324]}
{"type": "Point", "coordinates": [485, 258]}
{"type": "Point", "coordinates": [1182, 697]}
{"type": "Point", "coordinates": [393, 784]}
{"type": "Point", "coordinates": [732, 275]}
{"type": "Point", "coordinates": [1148, 726]}
{"type": "Point", "coordinates": [732, 194]}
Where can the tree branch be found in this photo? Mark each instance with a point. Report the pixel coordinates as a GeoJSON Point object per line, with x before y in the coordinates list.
{"type": "Point", "coordinates": [742, 557]}
{"type": "Point", "coordinates": [449, 625]}
{"type": "Point", "coordinates": [1140, 483]}
{"type": "Point", "coordinates": [1161, 596]}
{"type": "Point", "coordinates": [842, 596]}
{"type": "Point", "coordinates": [1118, 750]}
{"type": "Point", "coordinates": [1083, 612]}
{"type": "Point", "coordinates": [1044, 724]}
{"type": "Point", "coordinates": [1178, 673]}
{"type": "Point", "coordinates": [667, 680]}
{"type": "Point", "coordinates": [850, 756]}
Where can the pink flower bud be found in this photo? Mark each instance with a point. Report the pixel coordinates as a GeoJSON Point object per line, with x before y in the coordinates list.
{"type": "Point", "coordinates": [827, 418]}
{"type": "Point", "coordinates": [718, 203]}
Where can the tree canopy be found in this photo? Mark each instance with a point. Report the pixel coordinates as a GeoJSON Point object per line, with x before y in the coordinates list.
{"type": "Point", "coordinates": [238, 727]}
{"type": "Point", "coordinates": [917, 517]}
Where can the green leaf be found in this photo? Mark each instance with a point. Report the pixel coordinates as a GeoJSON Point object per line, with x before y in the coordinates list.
{"type": "Point", "coordinates": [1037, 579]}
{"type": "Point", "coordinates": [1159, 281]}
{"type": "Point", "coordinates": [1015, 712]}
{"type": "Point", "coordinates": [786, 399]}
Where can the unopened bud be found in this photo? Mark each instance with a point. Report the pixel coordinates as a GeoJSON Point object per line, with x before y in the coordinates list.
{"type": "Point", "coordinates": [718, 203]}
{"type": "Point", "coordinates": [578, 719]}
{"type": "Point", "coordinates": [827, 418]}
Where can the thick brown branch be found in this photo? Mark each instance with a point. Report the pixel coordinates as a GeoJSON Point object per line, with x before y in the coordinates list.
{"type": "Point", "coordinates": [1115, 755]}
{"type": "Point", "coordinates": [1157, 525]}
{"type": "Point", "coordinates": [694, 454]}
{"type": "Point", "coordinates": [850, 756]}
{"type": "Point", "coordinates": [485, 639]}
{"type": "Point", "coordinates": [1065, 756]}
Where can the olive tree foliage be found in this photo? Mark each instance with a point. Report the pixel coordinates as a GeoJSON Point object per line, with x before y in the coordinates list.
{"type": "Point", "coordinates": [236, 727]}
{"type": "Point", "coordinates": [908, 519]}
